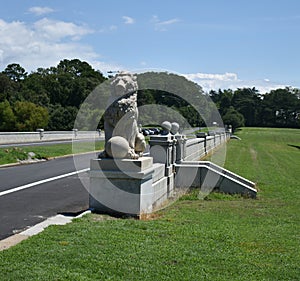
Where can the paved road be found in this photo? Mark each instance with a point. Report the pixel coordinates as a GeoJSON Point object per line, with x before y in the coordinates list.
{"type": "Point", "coordinates": [31, 193]}
{"type": "Point", "coordinates": [34, 198]}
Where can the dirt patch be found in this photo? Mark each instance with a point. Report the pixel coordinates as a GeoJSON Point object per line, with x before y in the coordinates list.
{"type": "Point", "coordinates": [98, 217]}
{"type": "Point", "coordinates": [253, 154]}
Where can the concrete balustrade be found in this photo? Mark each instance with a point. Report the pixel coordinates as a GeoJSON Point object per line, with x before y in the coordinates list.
{"type": "Point", "coordinates": [138, 187]}
{"type": "Point", "coordinates": [40, 135]}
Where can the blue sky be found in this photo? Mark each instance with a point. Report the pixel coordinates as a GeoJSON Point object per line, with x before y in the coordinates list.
{"type": "Point", "coordinates": [217, 43]}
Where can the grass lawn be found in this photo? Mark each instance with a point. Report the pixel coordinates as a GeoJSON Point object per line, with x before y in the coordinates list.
{"type": "Point", "coordinates": [13, 154]}
{"type": "Point", "coordinates": [220, 238]}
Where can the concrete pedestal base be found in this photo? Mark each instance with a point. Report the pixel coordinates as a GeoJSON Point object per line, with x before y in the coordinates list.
{"type": "Point", "coordinates": [124, 186]}
{"type": "Point", "coordinates": [121, 186]}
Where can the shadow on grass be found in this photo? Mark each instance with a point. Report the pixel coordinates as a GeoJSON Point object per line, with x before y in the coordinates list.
{"type": "Point", "coordinates": [295, 146]}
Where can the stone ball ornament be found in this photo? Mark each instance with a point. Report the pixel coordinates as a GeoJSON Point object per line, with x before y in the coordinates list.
{"type": "Point", "coordinates": [166, 126]}
{"type": "Point", "coordinates": [174, 128]}
{"type": "Point", "coordinates": [117, 147]}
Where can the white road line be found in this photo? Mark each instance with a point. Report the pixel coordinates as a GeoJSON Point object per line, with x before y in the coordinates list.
{"type": "Point", "coordinates": [41, 182]}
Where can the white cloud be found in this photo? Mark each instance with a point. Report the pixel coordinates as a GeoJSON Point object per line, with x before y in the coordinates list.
{"type": "Point", "coordinates": [44, 43]}
{"type": "Point", "coordinates": [39, 11]}
{"type": "Point", "coordinates": [108, 29]}
{"type": "Point", "coordinates": [56, 30]}
{"type": "Point", "coordinates": [113, 27]}
{"type": "Point", "coordinates": [105, 67]}
{"type": "Point", "coordinates": [162, 25]}
{"type": "Point", "coordinates": [128, 20]}
{"type": "Point", "coordinates": [231, 81]}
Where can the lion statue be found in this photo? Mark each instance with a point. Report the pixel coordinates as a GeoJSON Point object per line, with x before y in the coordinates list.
{"type": "Point", "coordinates": [122, 136]}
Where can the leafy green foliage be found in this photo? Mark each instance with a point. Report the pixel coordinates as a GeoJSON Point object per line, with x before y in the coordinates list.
{"type": "Point", "coordinates": [29, 116]}
{"type": "Point", "coordinates": [61, 90]}
{"type": "Point", "coordinates": [279, 108]}
{"type": "Point", "coordinates": [233, 117]}
{"type": "Point", "coordinates": [15, 72]}
{"type": "Point", "coordinates": [7, 117]}
{"type": "Point", "coordinates": [62, 117]}
{"type": "Point", "coordinates": [58, 90]}
{"type": "Point", "coordinates": [282, 108]}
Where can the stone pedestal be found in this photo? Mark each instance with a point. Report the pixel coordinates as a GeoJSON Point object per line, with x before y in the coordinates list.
{"type": "Point", "coordinates": [121, 186]}
{"type": "Point", "coordinates": [161, 149]}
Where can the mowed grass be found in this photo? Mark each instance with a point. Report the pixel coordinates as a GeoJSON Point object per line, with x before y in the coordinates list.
{"type": "Point", "coordinates": [220, 238]}
{"type": "Point", "coordinates": [14, 154]}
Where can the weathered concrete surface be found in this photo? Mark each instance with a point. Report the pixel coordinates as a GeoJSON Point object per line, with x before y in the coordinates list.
{"type": "Point", "coordinates": [125, 186]}
{"type": "Point", "coordinates": [208, 177]}
{"type": "Point", "coordinates": [23, 137]}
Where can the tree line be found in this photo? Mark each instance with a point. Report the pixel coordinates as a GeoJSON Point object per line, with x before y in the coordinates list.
{"type": "Point", "coordinates": [47, 98]}
{"type": "Point", "coordinates": [248, 107]}
{"type": "Point", "coordinates": [50, 98]}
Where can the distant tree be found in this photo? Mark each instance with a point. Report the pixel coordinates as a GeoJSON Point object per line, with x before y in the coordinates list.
{"type": "Point", "coordinates": [15, 72]}
{"type": "Point", "coordinates": [89, 118]}
{"type": "Point", "coordinates": [70, 82]}
{"type": "Point", "coordinates": [11, 82]}
{"type": "Point", "coordinates": [62, 118]}
{"type": "Point", "coordinates": [33, 90]}
{"type": "Point", "coordinates": [145, 97]}
{"type": "Point", "coordinates": [6, 87]}
{"type": "Point", "coordinates": [248, 102]}
{"type": "Point", "coordinates": [30, 116]}
{"type": "Point", "coordinates": [234, 118]}
{"type": "Point", "coordinates": [281, 108]}
{"type": "Point", "coordinates": [7, 117]}
{"type": "Point", "coordinates": [215, 95]}
{"type": "Point", "coordinates": [225, 100]}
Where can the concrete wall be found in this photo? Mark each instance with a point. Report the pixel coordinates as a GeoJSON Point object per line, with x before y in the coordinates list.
{"type": "Point", "coordinates": [23, 137]}
{"type": "Point", "coordinates": [197, 148]}
{"type": "Point", "coordinates": [141, 186]}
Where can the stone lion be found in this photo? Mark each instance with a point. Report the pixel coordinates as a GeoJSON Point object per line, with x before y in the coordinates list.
{"type": "Point", "coordinates": [120, 120]}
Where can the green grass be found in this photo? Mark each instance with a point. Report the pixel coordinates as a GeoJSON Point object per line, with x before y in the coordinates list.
{"type": "Point", "coordinates": [220, 238]}
{"type": "Point", "coordinates": [12, 155]}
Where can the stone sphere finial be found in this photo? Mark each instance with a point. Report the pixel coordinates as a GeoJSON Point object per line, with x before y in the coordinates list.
{"type": "Point", "coordinates": [117, 147]}
{"type": "Point", "coordinates": [174, 128]}
{"type": "Point", "coordinates": [166, 126]}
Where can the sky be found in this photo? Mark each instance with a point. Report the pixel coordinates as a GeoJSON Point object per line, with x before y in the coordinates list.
{"type": "Point", "coordinates": [217, 43]}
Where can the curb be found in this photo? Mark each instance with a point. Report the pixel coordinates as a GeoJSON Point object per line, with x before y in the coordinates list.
{"type": "Point", "coordinates": [36, 229]}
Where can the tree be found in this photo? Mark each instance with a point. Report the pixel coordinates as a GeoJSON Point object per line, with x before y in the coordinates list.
{"type": "Point", "coordinates": [281, 108]}
{"type": "Point", "coordinates": [30, 116]}
{"type": "Point", "coordinates": [15, 72]}
{"type": "Point", "coordinates": [7, 117]}
{"type": "Point", "coordinates": [234, 118]}
{"type": "Point", "coordinates": [247, 101]}
{"type": "Point", "coordinates": [225, 100]}
{"type": "Point", "coordinates": [62, 118]}
{"type": "Point", "coordinates": [34, 91]}
{"type": "Point", "coordinates": [6, 87]}
{"type": "Point", "coordinates": [71, 82]}
{"type": "Point", "coordinates": [89, 118]}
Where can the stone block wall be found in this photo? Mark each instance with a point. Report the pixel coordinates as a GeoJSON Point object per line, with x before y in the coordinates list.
{"type": "Point", "coordinates": [197, 148]}
{"type": "Point", "coordinates": [138, 187]}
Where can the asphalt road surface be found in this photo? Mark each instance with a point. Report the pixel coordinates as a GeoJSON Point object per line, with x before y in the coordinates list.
{"type": "Point", "coordinates": [32, 193]}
